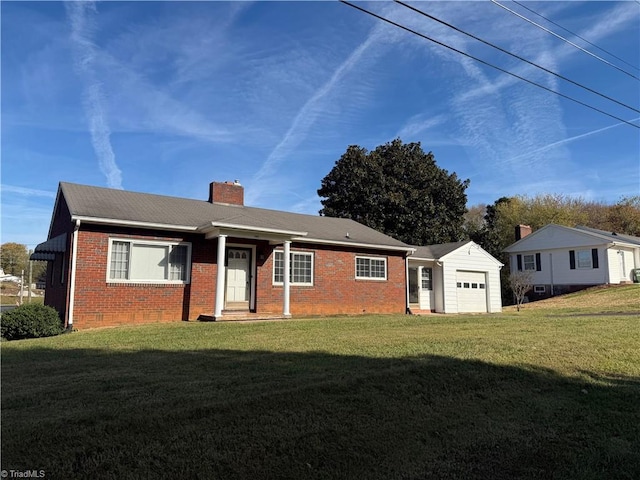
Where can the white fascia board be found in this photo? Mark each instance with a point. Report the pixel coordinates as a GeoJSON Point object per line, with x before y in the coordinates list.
{"type": "Point", "coordinates": [423, 259]}
{"type": "Point", "coordinates": [472, 244]}
{"type": "Point", "coordinates": [624, 244]}
{"type": "Point", "coordinates": [133, 223]}
{"type": "Point", "coordinates": [355, 244]}
{"type": "Point", "coordinates": [231, 227]}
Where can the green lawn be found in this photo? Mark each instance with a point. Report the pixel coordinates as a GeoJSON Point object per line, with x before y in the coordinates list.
{"type": "Point", "coordinates": [539, 394]}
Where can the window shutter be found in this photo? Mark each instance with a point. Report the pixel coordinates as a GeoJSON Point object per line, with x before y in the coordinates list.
{"type": "Point", "coordinates": [572, 259]}
{"type": "Point", "coordinates": [594, 257]}
{"type": "Point", "coordinates": [538, 263]}
{"type": "Point", "coordinates": [519, 262]}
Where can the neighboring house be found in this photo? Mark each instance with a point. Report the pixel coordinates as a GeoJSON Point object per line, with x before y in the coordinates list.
{"type": "Point", "coordinates": [118, 257]}
{"type": "Point", "coordinates": [454, 278]}
{"type": "Point", "coordinates": [565, 259]}
{"type": "Point", "coordinates": [5, 277]}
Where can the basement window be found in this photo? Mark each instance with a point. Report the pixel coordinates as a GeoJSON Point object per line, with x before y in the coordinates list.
{"type": "Point", "coordinates": [539, 289]}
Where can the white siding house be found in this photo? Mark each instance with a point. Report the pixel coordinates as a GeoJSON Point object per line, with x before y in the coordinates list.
{"type": "Point", "coordinates": [454, 278]}
{"type": "Point", "coordinates": [565, 259]}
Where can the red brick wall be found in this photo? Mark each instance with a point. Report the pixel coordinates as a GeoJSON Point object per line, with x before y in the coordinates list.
{"type": "Point", "coordinates": [57, 282]}
{"type": "Point", "coordinates": [99, 303]}
{"type": "Point", "coordinates": [335, 290]}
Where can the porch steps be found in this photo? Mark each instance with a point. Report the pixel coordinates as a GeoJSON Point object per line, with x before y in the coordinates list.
{"type": "Point", "coordinates": [240, 315]}
{"type": "Point", "coordinates": [417, 311]}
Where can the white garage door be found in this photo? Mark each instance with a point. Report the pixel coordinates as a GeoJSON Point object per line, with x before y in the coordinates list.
{"type": "Point", "coordinates": [472, 291]}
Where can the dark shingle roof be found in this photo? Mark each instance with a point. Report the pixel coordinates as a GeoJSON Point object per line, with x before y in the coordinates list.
{"type": "Point", "coordinates": [612, 236]}
{"type": "Point", "coordinates": [125, 206]}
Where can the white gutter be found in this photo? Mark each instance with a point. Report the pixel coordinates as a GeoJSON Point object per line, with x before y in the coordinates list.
{"type": "Point", "coordinates": [354, 244]}
{"type": "Point", "coordinates": [247, 228]}
{"type": "Point", "coordinates": [72, 280]}
{"type": "Point", "coordinates": [133, 223]}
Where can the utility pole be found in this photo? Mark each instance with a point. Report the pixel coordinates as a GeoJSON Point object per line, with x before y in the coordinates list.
{"type": "Point", "coordinates": [21, 286]}
{"type": "Point", "coordinates": [30, 277]}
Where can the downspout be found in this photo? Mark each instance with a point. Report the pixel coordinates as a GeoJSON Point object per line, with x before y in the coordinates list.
{"type": "Point", "coordinates": [551, 272]}
{"type": "Point", "coordinates": [406, 284]}
{"type": "Point", "coordinates": [72, 280]}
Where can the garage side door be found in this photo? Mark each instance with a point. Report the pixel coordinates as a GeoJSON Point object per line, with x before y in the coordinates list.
{"type": "Point", "coordinates": [472, 291]}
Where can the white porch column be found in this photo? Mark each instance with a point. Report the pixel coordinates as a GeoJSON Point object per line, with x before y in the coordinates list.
{"type": "Point", "coordinates": [286, 280]}
{"type": "Point", "coordinates": [222, 258]}
{"type": "Point", "coordinates": [420, 267]}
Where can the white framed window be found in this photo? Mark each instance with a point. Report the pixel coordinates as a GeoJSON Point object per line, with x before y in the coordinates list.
{"type": "Point", "coordinates": [143, 261]}
{"type": "Point", "coordinates": [539, 289]}
{"type": "Point", "coordinates": [300, 268]}
{"type": "Point", "coordinates": [529, 262]}
{"type": "Point", "coordinates": [371, 268]}
{"type": "Point", "coordinates": [427, 276]}
{"type": "Point", "coordinates": [583, 259]}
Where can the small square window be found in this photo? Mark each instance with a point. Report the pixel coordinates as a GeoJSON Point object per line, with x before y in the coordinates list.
{"type": "Point", "coordinates": [529, 262]}
{"type": "Point", "coordinates": [583, 258]}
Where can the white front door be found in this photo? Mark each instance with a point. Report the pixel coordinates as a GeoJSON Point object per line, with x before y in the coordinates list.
{"type": "Point", "coordinates": [238, 261]}
{"type": "Point", "coordinates": [623, 273]}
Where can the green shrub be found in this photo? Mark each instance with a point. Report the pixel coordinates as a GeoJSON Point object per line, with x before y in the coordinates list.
{"type": "Point", "coordinates": [30, 321]}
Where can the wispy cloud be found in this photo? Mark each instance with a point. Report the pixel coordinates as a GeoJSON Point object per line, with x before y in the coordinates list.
{"type": "Point", "coordinates": [418, 124]}
{"type": "Point", "coordinates": [28, 192]}
{"type": "Point", "coordinates": [307, 115]}
{"type": "Point", "coordinates": [81, 18]}
{"type": "Point", "coordinates": [565, 141]}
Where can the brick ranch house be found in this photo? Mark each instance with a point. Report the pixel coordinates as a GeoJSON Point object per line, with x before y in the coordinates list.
{"type": "Point", "coordinates": [118, 257]}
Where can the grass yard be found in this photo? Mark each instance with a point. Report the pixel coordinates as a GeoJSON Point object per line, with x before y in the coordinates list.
{"type": "Point", "coordinates": [543, 393]}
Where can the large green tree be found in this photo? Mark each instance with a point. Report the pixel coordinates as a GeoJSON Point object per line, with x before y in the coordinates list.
{"type": "Point", "coordinates": [399, 190]}
{"type": "Point", "coordinates": [14, 258]}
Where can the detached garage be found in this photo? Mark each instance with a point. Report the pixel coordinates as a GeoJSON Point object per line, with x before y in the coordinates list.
{"type": "Point", "coordinates": [456, 277]}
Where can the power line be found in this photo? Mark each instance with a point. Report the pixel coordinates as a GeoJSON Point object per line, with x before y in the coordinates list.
{"type": "Point", "coordinates": [516, 56]}
{"type": "Point", "coordinates": [564, 39]}
{"type": "Point", "coordinates": [575, 34]}
{"type": "Point", "coordinates": [391, 22]}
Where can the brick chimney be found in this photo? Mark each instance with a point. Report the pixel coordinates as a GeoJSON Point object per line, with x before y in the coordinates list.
{"type": "Point", "coordinates": [231, 193]}
{"type": "Point", "coordinates": [522, 231]}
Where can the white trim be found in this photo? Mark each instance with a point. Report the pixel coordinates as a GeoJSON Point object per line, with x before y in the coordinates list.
{"type": "Point", "coordinates": [291, 252]}
{"type": "Point", "coordinates": [140, 241]}
{"type": "Point", "coordinates": [249, 228]}
{"type": "Point", "coordinates": [472, 244]}
{"type": "Point", "coordinates": [353, 244]}
{"type": "Point", "coordinates": [366, 257]}
{"type": "Point", "coordinates": [295, 236]}
{"type": "Point", "coordinates": [133, 223]}
{"type": "Point", "coordinates": [221, 276]}
{"type": "Point", "coordinates": [72, 280]}
{"type": "Point", "coordinates": [286, 284]}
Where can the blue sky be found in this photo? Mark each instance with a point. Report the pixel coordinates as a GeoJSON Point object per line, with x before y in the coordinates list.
{"type": "Point", "coordinates": [164, 97]}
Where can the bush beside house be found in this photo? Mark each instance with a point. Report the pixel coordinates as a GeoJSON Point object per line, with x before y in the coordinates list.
{"type": "Point", "coordinates": [30, 321]}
